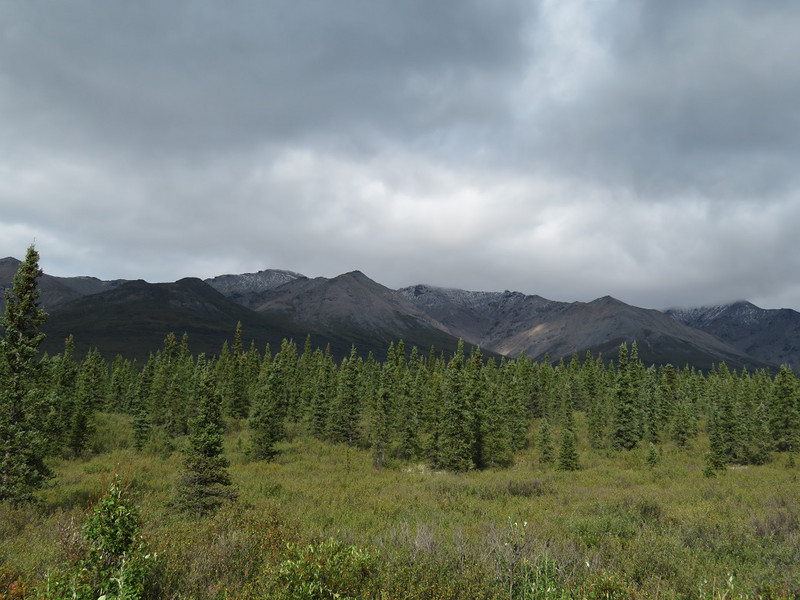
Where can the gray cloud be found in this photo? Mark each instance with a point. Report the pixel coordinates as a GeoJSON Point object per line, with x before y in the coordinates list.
{"type": "Point", "coordinates": [572, 149]}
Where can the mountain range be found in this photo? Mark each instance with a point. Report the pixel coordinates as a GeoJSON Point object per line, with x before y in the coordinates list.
{"type": "Point", "coordinates": [132, 318]}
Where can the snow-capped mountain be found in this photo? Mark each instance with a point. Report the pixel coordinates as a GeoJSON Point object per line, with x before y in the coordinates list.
{"type": "Point", "coordinates": [244, 287]}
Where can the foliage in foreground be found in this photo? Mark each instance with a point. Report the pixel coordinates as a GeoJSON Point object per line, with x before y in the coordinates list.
{"type": "Point", "coordinates": [324, 520]}
{"type": "Point", "coordinates": [114, 562]}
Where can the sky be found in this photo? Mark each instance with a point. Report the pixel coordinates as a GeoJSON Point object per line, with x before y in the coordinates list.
{"type": "Point", "coordinates": [642, 149]}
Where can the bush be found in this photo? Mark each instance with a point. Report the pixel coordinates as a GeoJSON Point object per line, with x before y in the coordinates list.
{"type": "Point", "coordinates": [328, 569]}
{"type": "Point", "coordinates": [115, 564]}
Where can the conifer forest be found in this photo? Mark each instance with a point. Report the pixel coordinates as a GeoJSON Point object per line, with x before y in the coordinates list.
{"type": "Point", "coordinates": [285, 472]}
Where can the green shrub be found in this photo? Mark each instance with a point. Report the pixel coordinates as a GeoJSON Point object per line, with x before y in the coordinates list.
{"type": "Point", "coordinates": [328, 569]}
{"type": "Point", "coordinates": [115, 564]}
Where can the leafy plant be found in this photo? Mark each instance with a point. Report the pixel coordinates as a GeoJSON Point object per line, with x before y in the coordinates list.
{"type": "Point", "coordinates": [116, 563]}
{"type": "Point", "coordinates": [327, 569]}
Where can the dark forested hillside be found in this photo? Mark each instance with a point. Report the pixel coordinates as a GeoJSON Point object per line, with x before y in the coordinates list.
{"type": "Point", "coordinates": [134, 318]}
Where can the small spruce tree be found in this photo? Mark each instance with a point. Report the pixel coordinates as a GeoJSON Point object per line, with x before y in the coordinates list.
{"type": "Point", "coordinates": [568, 453]}
{"type": "Point", "coordinates": [653, 457]}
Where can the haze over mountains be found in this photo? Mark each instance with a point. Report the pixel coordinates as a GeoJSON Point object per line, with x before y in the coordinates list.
{"type": "Point", "coordinates": [133, 317]}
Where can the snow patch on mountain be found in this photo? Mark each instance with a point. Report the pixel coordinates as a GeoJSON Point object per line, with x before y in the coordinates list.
{"type": "Point", "coordinates": [428, 296]}
{"type": "Point", "coordinates": [252, 282]}
{"type": "Point", "coordinates": [742, 313]}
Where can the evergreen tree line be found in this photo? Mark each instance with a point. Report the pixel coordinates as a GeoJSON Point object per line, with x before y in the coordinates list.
{"type": "Point", "coordinates": [455, 413]}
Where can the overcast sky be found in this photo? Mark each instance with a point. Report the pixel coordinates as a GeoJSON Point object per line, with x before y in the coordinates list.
{"type": "Point", "coordinates": [647, 150]}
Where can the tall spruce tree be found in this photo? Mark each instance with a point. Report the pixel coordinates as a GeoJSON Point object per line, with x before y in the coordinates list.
{"type": "Point", "coordinates": [545, 442]}
{"type": "Point", "coordinates": [62, 384]}
{"type": "Point", "coordinates": [568, 451]}
{"type": "Point", "coordinates": [785, 421]}
{"type": "Point", "coordinates": [22, 445]}
{"type": "Point", "coordinates": [204, 483]}
{"type": "Point", "coordinates": [343, 426]}
{"type": "Point", "coordinates": [381, 421]}
{"type": "Point", "coordinates": [716, 457]}
{"type": "Point", "coordinates": [624, 435]}
{"type": "Point", "coordinates": [456, 438]}
{"type": "Point", "coordinates": [267, 423]}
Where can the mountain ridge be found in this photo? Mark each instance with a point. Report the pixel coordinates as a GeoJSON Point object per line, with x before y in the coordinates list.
{"type": "Point", "coordinates": [352, 309]}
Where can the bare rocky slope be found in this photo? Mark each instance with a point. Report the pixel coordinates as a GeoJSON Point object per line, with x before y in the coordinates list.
{"type": "Point", "coordinates": [510, 323]}
{"type": "Point", "coordinates": [772, 335]}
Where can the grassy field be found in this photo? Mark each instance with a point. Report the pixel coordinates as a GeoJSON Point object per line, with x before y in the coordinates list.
{"type": "Point", "coordinates": [617, 528]}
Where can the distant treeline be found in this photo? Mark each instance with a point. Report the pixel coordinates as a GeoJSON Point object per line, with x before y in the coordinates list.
{"type": "Point", "coordinates": [452, 412]}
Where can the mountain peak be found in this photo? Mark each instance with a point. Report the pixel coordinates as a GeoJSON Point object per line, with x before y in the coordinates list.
{"type": "Point", "coordinates": [245, 286]}
{"type": "Point", "coordinates": [355, 275]}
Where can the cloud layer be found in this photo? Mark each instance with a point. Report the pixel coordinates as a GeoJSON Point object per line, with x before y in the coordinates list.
{"type": "Point", "coordinates": [568, 148]}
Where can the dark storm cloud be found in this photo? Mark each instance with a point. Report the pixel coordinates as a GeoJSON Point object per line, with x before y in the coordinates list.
{"type": "Point", "coordinates": [185, 77]}
{"type": "Point", "coordinates": [568, 148]}
{"type": "Point", "coordinates": [695, 96]}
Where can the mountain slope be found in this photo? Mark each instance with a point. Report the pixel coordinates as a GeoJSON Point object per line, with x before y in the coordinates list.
{"type": "Point", "coordinates": [772, 336]}
{"type": "Point", "coordinates": [510, 323]}
{"type": "Point", "coordinates": [54, 291]}
{"type": "Point", "coordinates": [246, 287]}
{"type": "Point", "coordinates": [134, 318]}
{"type": "Point", "coordinates": [353, 309]}
{"type": "Point", "coordinates": [487, 319]}
{"type": "Point", "coordinates": [603, 324]}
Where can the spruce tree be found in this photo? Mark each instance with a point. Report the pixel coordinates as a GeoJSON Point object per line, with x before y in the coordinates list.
{"type": "Point", "coordinates": [408, 446]}
{"type": "Point", "coordinates": [141, 429]}
{"type": "Point", "coordinates": [653, 457]}
{"type": "Point", "coordinates": [81, 427]}
{"type": "Point", "coordinates": [22, 444]}
{"type": "Point", "coordinates": [345, 414]}
{"type": "Point", "coordinates": [267, 424]}
{"type": "Point", "coordinates": [456, 439]}
{"type": "Point", "coordinates": [236, 402]}
{"type": "Point", "coordinates": [381, 418]}
{"type": "Point", "coordinates": [596, 423]}
{"type": "Point", "coordinates": [60, 397]}
{"type": "Point", "coordinates": [324, 393]}
{"type": "Point", "coordinates": [515, 376]}
{"type": "Point", "coordinates": [93, 381]}
{"type": "Point", "coordinates": [785, 421]}
{"type": "Point", "coordinates": [682, 427]}
{"type": "Point", "coordinates": [204, 483]}
{"type": "Point", "coordinates": [761, 444]}
{"type": "Point", "coordinates": [568, 453]}
{"type": "Point", "coordinates": [433, 411]}
{"type": "Point", "coordinates": [716, 457]}
{"type": "Point", "coordinates": [545, 442]}
{"type": "Point", "coordinates": [624, 434]}
{"type": "Point", "coordinates": [497, 437]}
